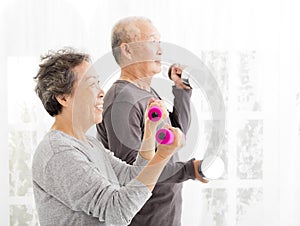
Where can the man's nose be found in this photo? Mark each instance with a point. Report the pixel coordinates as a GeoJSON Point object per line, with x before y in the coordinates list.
{"type": "Point", "coordinates": [100, 93]}
{"type": "Point", "coordinates": [159, 51]}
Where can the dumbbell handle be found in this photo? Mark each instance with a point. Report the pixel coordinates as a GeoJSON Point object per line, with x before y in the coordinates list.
{"type": "Point", "coordinates": [164, 136]}
{"type": "Point", "coordinates": [155, 113]}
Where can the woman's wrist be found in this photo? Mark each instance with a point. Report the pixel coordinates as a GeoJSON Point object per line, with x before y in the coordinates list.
{"type": "Point", "coordinates": [148, 155]}
{"type": "Point", "coordinates": [147, 149]}
{"type": "Point", "coordinates": [162, 154]}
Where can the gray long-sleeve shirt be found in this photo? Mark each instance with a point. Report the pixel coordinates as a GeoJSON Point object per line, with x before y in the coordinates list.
{"type": "Point", "coordinates": [121, 131]}
{"type": "Point", "coordinates": [79, 184]}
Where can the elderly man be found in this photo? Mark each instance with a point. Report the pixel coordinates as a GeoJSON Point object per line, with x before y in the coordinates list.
{"type": "Point", "coordinates": [136, 48]}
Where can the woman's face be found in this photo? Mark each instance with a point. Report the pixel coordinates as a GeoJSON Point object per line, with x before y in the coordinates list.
{"type": "Point", "coordinates": [87, 105]}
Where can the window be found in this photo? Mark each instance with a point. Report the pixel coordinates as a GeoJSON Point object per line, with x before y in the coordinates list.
{"type": "Point", "coordinates": [27, 124]}
{"type": "Point", "coordinates": [238, 195]}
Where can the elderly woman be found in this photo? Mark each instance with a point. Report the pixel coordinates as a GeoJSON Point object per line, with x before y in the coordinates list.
{"type": "Point", "coordinates": [76, 181]}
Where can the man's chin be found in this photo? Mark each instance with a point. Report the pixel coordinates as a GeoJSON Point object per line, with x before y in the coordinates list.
{"type": "Point", "coordinates": [157, 67]}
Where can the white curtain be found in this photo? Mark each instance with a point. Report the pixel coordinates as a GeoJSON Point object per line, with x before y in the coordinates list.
{"type": "Point", "coordinates": [252, 49]}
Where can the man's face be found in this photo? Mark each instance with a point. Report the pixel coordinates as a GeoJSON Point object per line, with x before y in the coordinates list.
{"type": "Point", "coordinates": [146, 51]}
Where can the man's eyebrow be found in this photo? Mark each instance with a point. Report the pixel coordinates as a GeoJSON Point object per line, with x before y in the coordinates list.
{"type": "Point", "coordinates": [154, 35]}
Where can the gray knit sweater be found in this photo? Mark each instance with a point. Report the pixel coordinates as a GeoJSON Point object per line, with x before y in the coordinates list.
{"type": "Point", "coordinates": [84, 184]}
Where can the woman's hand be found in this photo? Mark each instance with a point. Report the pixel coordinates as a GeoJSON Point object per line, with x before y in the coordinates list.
{"type": "Point", "coordinates": [147, 150]}
{"type": "Point", "coordinates": [166, 151]}
{"type": "Point", "coordinates": [151, 126]}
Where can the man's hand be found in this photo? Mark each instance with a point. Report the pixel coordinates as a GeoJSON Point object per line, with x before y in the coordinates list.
{"type": "Point", "coordinates": [175, 73]}
{"type": "Point", "coordinates": [197, 174]}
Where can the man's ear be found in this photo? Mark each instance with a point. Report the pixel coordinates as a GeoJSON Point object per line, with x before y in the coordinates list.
{"type": "Point", "coordinates": [63, 99]}
{"type": "Point", "coordinates": [126, 51]}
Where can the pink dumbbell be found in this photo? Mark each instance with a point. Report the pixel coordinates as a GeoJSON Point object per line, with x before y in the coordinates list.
{"type": "Point", "coordinates": [164, 136]}
{"type": "Point", "coordinates": [155, 113]}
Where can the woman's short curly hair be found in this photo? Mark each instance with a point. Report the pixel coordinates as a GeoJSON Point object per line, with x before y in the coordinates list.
{"type": "Point", "coordinates": [56, 76]}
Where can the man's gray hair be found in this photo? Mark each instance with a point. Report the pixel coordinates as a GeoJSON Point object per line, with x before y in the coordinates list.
{"type": "Point", "coordinates": [125, 30]}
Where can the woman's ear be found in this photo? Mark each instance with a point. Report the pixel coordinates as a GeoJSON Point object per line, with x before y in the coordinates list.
{"type": "Point", "coordinates": [126, 50]}
{"type": "Point", "coordinates": [63, 99]}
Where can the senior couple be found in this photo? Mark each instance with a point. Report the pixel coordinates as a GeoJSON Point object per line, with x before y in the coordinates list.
{"type": "Point", "coordinates": [122, 176]}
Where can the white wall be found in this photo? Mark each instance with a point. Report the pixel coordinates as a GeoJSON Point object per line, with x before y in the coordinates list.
{"type": "Point", "coordinates": [269, 28]}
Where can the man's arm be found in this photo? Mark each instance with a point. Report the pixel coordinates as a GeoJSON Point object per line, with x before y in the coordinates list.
{"type": "Point", "coordinates": [181, 171]}
{"type": "Point", "coordinates": [182, 91]}
{"type": "Point", "coordinates": [181, 115]}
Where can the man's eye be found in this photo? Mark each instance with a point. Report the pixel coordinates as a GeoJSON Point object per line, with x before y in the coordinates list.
{"type": "Point", "coordinates": [95, 84]}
